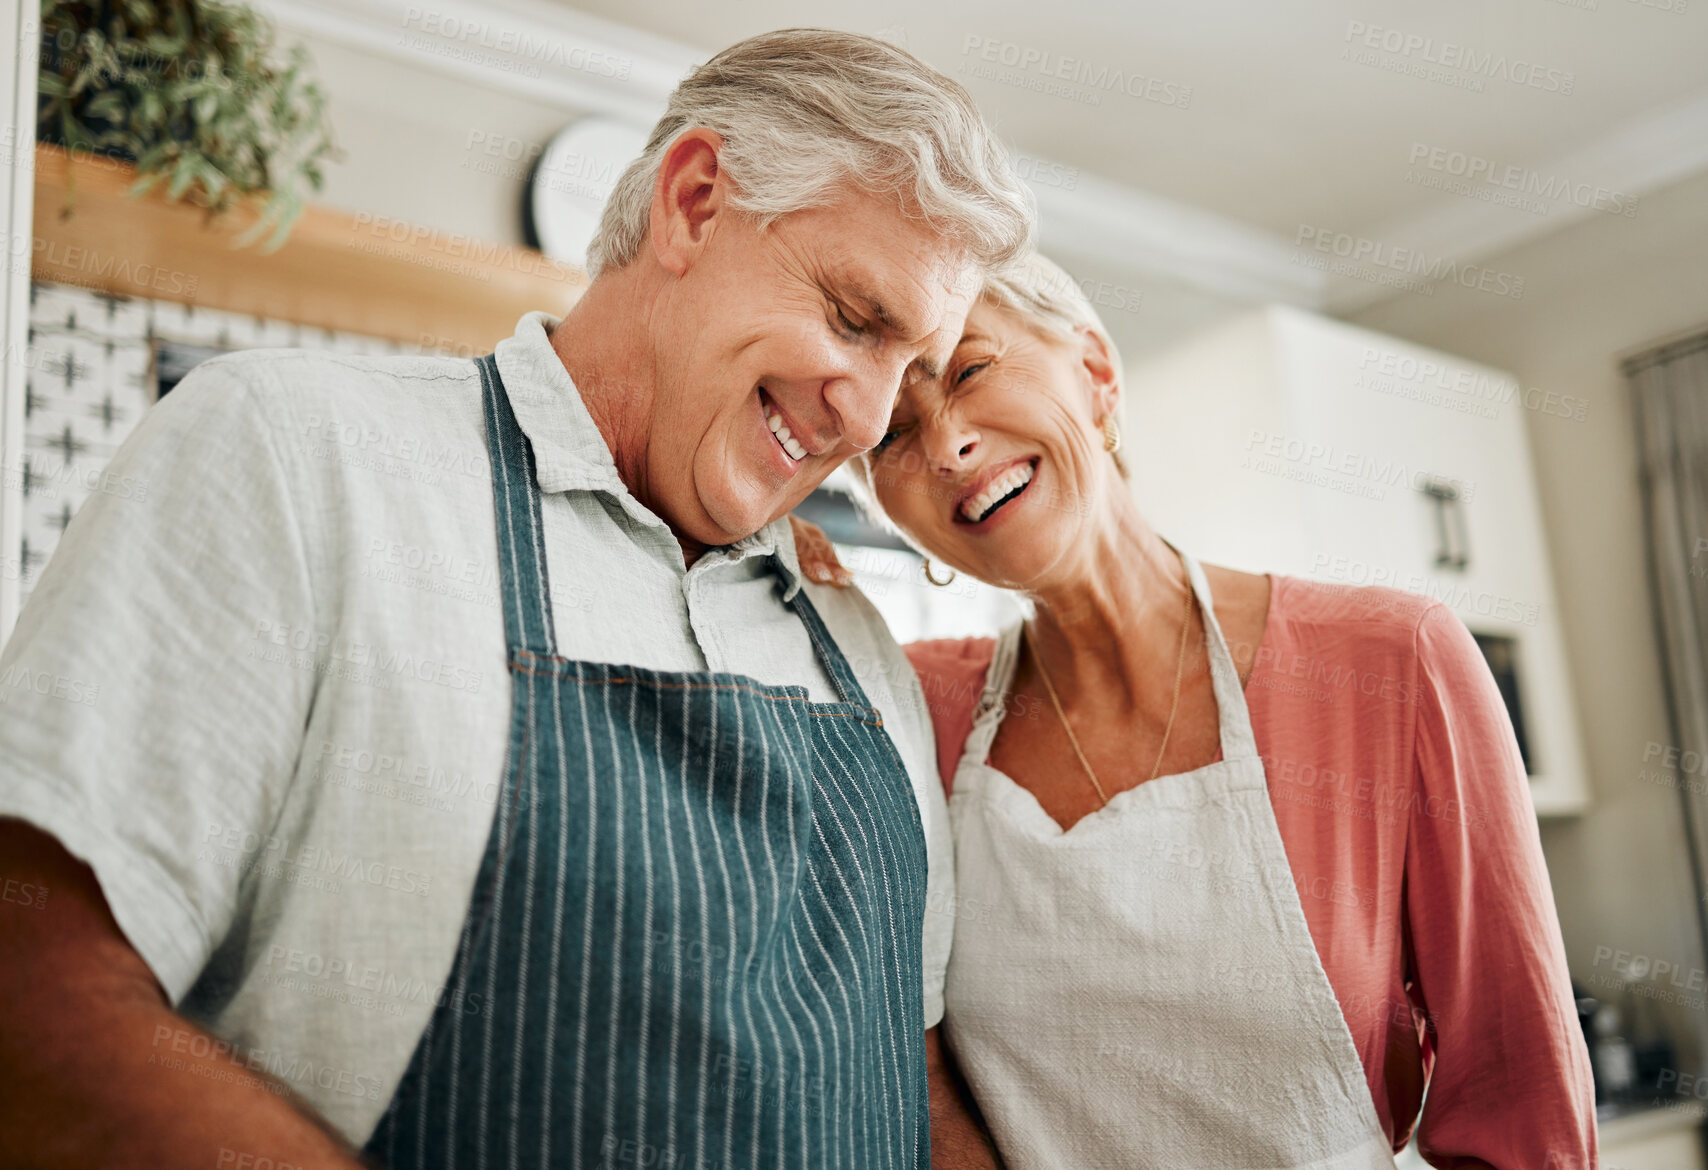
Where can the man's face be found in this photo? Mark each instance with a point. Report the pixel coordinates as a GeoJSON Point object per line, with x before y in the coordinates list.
{"type": "Point", "coordinates": [780, 353]}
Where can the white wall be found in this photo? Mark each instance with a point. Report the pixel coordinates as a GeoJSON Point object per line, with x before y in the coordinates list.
{"type": "Point", "coordinates": [1594, 292]}
{"type": "Point", "coordinates": [416, 141]}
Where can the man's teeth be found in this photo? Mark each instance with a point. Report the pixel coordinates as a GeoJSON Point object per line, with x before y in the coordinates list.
{"type": "Point", "coordinates": [978, 507]}
{"type": "Point", "coordinates": [790, 444]}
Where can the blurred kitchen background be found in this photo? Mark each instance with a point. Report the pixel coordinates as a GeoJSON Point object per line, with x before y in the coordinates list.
{"type": "Point", "coordinates": [1406, 295]}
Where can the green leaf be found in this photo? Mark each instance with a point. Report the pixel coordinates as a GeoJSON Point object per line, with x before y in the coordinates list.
{"type": "Point", "coordinates": [216, 183]}
{"type": "Point", "coordinates": [195, 91]}
{"type": "Point", "coordinates": [182, 176]}
{"type": "Point", "coordinates": [145, 184]}
{"type": "Point", "coordinates": [107, 105]}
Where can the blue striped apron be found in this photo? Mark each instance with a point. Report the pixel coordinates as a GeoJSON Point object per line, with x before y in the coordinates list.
{"type": "Point", "coordinates": [694, 940]}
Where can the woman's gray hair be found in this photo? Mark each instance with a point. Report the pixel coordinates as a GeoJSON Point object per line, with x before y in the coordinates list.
{"type": "Point", "coordinates": [805, 112]}
{"type": "Point", "coordinates": [1041, 293]}
{"type": "Point", "coordinates": [1045, 296]}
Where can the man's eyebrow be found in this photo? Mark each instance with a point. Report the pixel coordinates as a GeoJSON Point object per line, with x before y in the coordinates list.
{"type": "Point", "coordinates": [868, 302]}
{"type": "Point", "coordinates": [925, 367]}
{"type": "Point", "coordinates": [931, 369]}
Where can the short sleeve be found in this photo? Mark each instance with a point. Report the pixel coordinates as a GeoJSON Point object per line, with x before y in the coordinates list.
{"type": "Point", "coordinates": [1511, 1078]}
{"type": "Point", "coordinates": [152, 706]}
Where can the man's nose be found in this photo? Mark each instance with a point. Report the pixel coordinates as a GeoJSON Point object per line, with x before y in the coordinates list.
{"type": "Point", "coordinates": [862, 406]}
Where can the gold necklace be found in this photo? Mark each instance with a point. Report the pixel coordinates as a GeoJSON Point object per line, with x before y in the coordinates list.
{"type": "Point", "coordinates": [1174, 708]}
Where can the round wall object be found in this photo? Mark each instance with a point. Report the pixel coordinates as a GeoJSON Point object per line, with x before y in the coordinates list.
{"type": "Point", "coordinates": [570, 182]}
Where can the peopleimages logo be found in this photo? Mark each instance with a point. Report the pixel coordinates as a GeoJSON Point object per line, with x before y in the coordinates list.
{"type": "Point", "coordinates": [1051, 68]}
{"type": "Point", "coordinates": [1045, 172]}
{"type": "Point", "coordinates": [1473, 386]}
{"type": "Point", "coordinates": [447, 28]}
{"type": "Point", "coordinates": [1408, 262]}
{"type": "Point", "coordinates": [1448, 55]}
{"type": "Point", "coordinates": [1474, 168]}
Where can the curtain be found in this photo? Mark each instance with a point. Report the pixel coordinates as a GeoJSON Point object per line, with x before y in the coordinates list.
{"type": "Point", "coordinates": [1669, 394]}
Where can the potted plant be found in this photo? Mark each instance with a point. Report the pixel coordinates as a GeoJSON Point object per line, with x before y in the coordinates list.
{"type": "Point", "coordinates": [187, 91]}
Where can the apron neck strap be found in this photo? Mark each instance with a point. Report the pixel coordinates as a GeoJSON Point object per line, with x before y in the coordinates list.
{"type": "Point", "coordinates": [1238, 742]}
{"type": "Point", "coordinates": [830, 655]}
{"type": "Point", "coordinates": [523, 588]}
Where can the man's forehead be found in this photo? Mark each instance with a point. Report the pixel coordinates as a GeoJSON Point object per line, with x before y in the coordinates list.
{"type": "Point", "coordinates": [911, 293]}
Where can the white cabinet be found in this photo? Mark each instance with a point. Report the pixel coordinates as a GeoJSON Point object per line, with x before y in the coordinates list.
{"type": "Point", "coordinates": [1287, 442]}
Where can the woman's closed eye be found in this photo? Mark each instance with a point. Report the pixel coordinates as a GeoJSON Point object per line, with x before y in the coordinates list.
{"type": "Point", "coordinates": [968, 371]}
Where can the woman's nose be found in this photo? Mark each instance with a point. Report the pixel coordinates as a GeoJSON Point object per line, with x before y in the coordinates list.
{"type": "Point", "coordinates": [950, 444]}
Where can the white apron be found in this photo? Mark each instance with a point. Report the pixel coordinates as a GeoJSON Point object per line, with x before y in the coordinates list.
{"type": "Point", "coordinates": [1142, 990]}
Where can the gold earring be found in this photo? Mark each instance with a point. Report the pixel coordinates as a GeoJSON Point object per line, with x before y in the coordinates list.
{"type": "Point", "coordinates": [945, 581]}
{"type": "Point", "coordinates": [1111, 435]}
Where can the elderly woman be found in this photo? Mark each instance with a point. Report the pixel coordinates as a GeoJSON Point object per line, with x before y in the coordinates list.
{"type": "Point", "coordinates": [1210, 916]}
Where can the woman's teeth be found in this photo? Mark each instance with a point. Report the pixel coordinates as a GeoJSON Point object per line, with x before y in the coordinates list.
{"type": "Point", "coordinates": [996, 491]}
{"type": "Point", "coordinates": [789, 443]}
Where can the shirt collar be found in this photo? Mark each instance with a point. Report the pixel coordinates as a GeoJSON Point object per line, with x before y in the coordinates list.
{"type": "Point", "coordinates": [570, 452]}
{"type": "Point", "coordinates": [777, 540]}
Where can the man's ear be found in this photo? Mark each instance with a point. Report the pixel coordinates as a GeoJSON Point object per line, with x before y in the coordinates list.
{"type": "Point", "coordinates": [1098, 365]}
{"type": "Point", "coordinates": [690, 194]}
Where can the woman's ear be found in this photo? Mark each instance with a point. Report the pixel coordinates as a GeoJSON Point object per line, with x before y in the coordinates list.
{"type": "Point", "coordinates": [1097, 361]}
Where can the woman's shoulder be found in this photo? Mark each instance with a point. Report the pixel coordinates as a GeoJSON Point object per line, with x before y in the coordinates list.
{"type": "Point", "coordinates": [943, 655]}
{"type": "Point", "coordinates": [952, 673]}
{"type": "Point", "coordinates": [1329, 641]}
{"type": "Point", "coordinates": [1372, 615]}
{"type": "Point", "coordinates": [952, 676]}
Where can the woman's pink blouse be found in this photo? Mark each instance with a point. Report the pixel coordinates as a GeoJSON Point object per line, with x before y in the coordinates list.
{"type": "Point", "coordinates": [1406, 816]}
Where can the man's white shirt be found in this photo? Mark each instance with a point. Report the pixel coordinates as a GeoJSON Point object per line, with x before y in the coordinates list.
{"type": "Point", "coordinates": [263, 695]}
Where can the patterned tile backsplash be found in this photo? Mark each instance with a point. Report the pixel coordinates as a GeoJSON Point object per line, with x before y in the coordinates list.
{"type": "Point", "coordinates": [95, 364]}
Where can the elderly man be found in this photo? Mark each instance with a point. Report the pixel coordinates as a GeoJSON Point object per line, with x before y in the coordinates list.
{"type": "Point", "coordinates": [472, 778]}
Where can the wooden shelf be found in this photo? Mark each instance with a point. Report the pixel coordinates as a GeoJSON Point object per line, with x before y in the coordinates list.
{"type": "Point", "coordinates": [353, 272]}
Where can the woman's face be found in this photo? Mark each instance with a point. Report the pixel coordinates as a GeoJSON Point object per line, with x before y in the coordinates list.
{"type": "Point", "coordinates": [997, 467]}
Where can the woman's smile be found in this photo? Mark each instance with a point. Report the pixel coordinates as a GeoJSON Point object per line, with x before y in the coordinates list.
{"type": "Point", "coordinates": [995, 490]}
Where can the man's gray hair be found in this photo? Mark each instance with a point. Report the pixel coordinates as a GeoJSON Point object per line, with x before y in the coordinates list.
{"type": "Point", "coordinates": [803, 114]}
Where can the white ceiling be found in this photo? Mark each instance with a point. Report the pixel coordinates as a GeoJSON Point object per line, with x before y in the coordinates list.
{"type": "Point", "coordinates": [1280, 130]}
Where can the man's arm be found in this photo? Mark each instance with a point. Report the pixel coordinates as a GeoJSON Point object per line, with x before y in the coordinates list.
{"type": "Point", "coordinates": [162, 715]}
{"type": "Point", "coordinates": [95, 1068]}
{"type": "Point", "coordinates": [959, 1139]}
